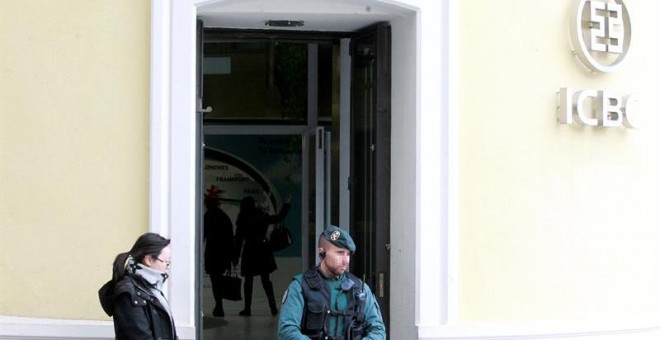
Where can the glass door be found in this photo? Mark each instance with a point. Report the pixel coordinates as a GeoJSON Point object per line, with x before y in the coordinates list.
{"type": "Point", "coordinates": [370, 159]}
{"type": "Point", "coordinates": [273, 101]}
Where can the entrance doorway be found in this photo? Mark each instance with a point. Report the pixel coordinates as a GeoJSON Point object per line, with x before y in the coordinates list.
{"type": "Point", "coordinates": [272, 122]}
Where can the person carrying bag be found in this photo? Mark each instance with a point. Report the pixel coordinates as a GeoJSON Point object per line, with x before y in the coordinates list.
{"type": "Point", "coordinates": [280, 238]}
{"type": "Point", "coordinates": [231, 284]}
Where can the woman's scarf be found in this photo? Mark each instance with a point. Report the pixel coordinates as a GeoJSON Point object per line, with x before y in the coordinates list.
{"type": "Point", "coordinates": [156, 279]}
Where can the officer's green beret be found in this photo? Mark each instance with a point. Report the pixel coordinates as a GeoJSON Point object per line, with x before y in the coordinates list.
{"type": "Point", "coordinates": [339, 237]}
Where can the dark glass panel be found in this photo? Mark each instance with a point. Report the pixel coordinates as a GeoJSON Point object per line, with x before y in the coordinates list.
{"type": "Point", "coordinates": [256, 80]}
{"type": "Point", "coordinates": [326, 81]}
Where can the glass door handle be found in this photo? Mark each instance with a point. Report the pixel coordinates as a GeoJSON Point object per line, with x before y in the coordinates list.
{"type": "Point", "coordinates": [381, 285]}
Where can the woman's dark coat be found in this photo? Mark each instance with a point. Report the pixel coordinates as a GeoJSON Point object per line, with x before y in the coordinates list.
{"type": "Point", "coordinates": [219, 236]}
{"type": "Point", "coordinates": [251, 227]}
{"type": "Point", "coordinates": [137, 313]}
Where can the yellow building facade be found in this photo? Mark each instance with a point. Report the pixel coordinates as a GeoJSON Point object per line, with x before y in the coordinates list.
{"type": "Point", "coordinates": [505, 221]}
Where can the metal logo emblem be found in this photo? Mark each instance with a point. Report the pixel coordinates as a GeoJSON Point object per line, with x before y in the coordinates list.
{"type": "Point", "coordinates": [335, 235]}
{"type": "Point", "coordinates": [600, 33]}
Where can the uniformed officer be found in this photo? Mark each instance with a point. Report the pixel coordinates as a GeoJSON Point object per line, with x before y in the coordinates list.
{"type": "Point", "coordinates": [328, 302]}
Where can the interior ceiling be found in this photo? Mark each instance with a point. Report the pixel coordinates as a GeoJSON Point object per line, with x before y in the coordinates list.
{"type": "Point", "coordinates": [318, 15]}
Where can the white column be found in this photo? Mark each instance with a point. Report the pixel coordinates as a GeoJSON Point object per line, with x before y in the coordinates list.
{"type": "Point", "coordinates": [183, 149]}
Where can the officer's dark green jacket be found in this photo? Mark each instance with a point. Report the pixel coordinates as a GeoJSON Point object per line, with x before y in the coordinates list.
{"type": "Point", "coordinates": [293, 305]}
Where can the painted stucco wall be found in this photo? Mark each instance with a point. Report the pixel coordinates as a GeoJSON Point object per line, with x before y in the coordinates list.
{"type": "Point", "coordinates": [557, 223]}
{"type": "Point", "coordinates": [74, 148]}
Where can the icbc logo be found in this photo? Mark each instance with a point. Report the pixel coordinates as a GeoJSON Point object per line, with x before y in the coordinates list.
{"type": "Point", "coordinates": [600, 33]}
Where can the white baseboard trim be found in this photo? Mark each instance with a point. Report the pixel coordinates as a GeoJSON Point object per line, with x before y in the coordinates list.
{"type": "Point", "coordinates": [14, 328]}
{"type": "Point", "coordinates": [601, 330]}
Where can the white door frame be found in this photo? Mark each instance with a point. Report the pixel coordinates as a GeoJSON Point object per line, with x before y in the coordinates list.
{"type": "Point", "coordinates": [424, 129]}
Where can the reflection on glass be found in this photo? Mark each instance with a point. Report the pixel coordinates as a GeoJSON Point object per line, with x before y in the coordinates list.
{"type": "Point", "coordinates": [265, 80]}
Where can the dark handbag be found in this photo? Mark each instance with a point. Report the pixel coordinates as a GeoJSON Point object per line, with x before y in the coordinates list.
{"type": "Point", "coordinates": [280, 238]}
{"type": "Point", "coordinates": [231, 285]}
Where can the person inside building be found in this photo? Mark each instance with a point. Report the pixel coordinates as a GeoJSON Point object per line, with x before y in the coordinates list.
{"type": "Point", "coordinates": [328, 302]}
{"type": "Point", "coordinates": [134, 296]}
{"type": "Point", "coordinates": [257, 257]}
{"type": "Point", "coordinates": [219, 245]}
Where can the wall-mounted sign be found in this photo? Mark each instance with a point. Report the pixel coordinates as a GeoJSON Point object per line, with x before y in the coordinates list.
{"type": "Point", "coordinates": [597, 108]}
{"type": "Point", "coordinates": [266, 167]}
{"type": "Point", "coordinates": [600, 33]}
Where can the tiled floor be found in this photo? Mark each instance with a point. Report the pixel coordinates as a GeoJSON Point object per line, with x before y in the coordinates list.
{"type": "Point", "coordinates": [261, 325]}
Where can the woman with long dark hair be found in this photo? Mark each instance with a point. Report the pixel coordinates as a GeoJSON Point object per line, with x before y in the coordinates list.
{"type": "Point", "coordinates": [134, 296]}
{"type": "Point", "coordinates": [257, 257]}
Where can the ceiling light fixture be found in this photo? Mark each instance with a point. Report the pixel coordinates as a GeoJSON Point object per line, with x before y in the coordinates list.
{"type": "Point", "coordinates": [284, 23]}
